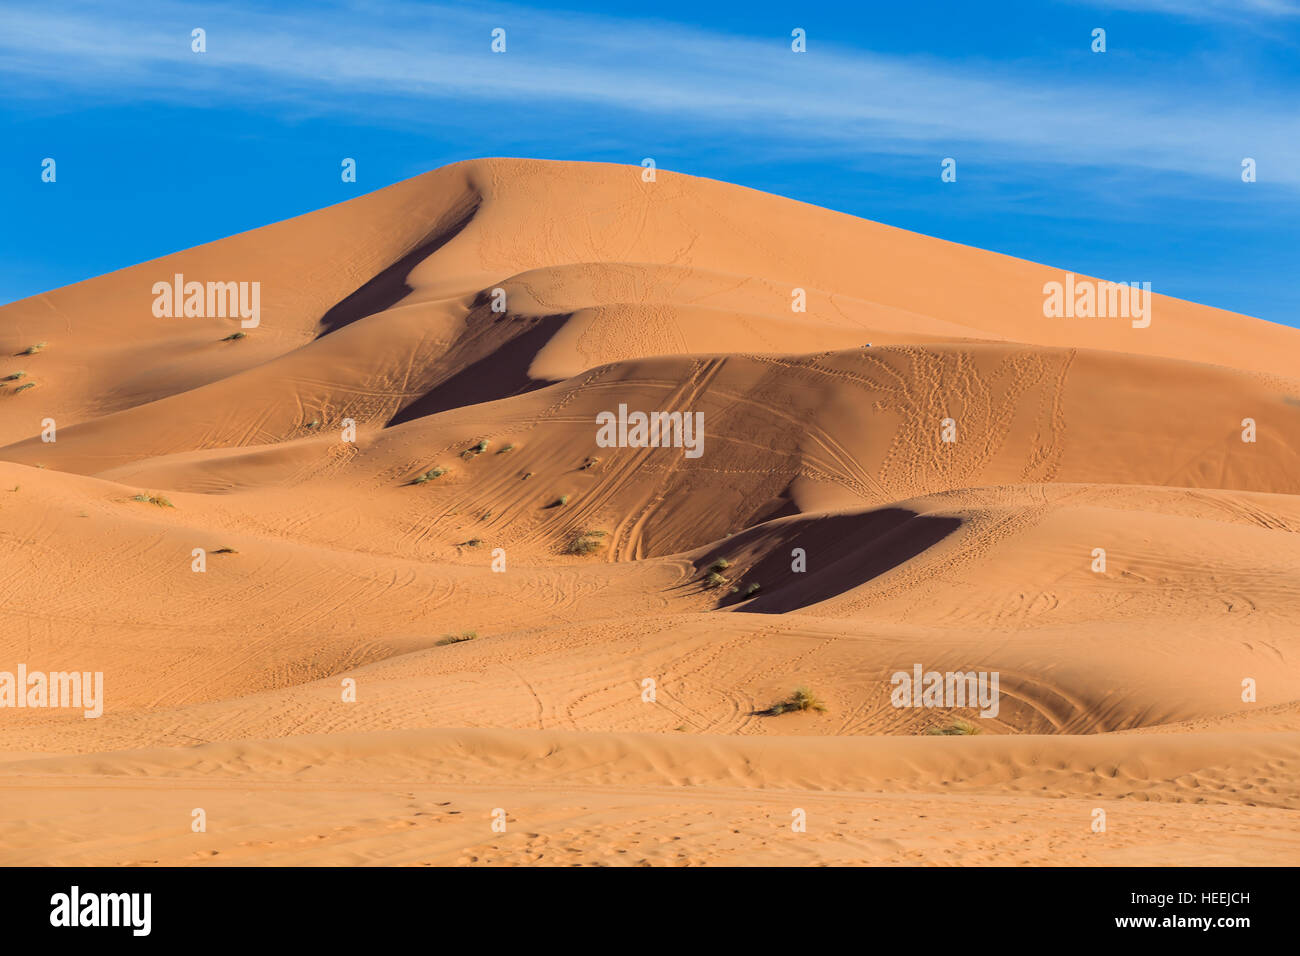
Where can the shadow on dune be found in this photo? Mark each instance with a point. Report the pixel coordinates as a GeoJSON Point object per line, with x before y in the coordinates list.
{"type": "Point", "coordinates": [389, 286]}
{"type": "Point", "coordinates": [842, 551]}
{"type": "Point", "coordinates": [493, 364]}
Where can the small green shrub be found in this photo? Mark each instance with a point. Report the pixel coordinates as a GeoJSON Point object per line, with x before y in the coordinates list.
{"type": "Point", "coordinates": [429, 475]}
{"type": "Point", "coordinates": [958, 728]}
{"type": "Point", "coordinates": [801, 699]}
{"type": "Point", "coordinates": [585, 542]}
{"type": "Point", "coordinates": [460, 638]}
{"type": "Point", "coordinates": [158, 500]}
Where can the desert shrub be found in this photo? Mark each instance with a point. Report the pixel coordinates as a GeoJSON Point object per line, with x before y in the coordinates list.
{"type": "Point", "coordinates": [958, 728]}
{"type": "Point", "coordinates": [801, 699]}
{"type": "Point", "coordinates": [149, 499]}
{"type": "Point", "coordinates": [456, 638]}
{"type": "Point", "coordinates": [585, 542]}
{"type": "Point", "coordinates": [429, 475]}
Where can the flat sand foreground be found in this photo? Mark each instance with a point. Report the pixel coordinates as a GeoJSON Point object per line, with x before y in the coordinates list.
{"type": "Point", "coordinates": [580, 799]}
{"type": "Point", "coordinates": [265, 545]}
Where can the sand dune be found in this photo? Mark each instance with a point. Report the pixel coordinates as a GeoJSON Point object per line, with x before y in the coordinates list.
{"type": "Point", "coordinates": [1121, 686]}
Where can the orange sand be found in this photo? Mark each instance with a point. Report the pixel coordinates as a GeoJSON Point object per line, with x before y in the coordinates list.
{"type": "Point", "coordinates": [1120, 690]}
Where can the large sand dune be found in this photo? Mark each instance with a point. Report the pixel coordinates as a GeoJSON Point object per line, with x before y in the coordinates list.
{"type": "Point", "coordinates": [1121, 688]}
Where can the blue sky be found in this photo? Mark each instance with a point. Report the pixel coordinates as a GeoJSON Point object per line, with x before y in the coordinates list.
{"type": "Point", "coordinates": [1124, 164]}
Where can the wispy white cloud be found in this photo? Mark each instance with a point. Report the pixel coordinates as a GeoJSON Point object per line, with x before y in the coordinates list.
{"type": "Point", "coordinates": [1236, 11]}
{"type": "Point", "coordinates": [395, 62]}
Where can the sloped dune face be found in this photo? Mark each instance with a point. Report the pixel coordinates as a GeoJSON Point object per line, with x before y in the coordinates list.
{"type": "Point", "coordinates": [596, 465]}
